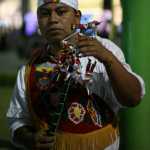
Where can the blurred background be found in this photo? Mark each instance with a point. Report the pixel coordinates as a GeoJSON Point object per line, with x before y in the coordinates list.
{"type": "Point", "coordinates": [123, 21]}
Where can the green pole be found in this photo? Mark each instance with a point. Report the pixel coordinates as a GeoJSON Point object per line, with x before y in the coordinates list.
{"type": "Point", "coordinates": [135, 122]}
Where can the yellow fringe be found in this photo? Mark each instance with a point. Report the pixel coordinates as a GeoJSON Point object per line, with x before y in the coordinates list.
{"type": "Point", "coordinates": [96, 140]}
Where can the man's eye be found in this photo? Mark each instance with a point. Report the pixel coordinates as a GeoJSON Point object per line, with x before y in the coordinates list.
{"type": "Point", "coordinates": [44, 13]}
{"type": "Point", "coordinates": [61, 12]}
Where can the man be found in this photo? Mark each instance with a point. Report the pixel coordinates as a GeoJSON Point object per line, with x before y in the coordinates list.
{"type": "Point", "coordinates": [57, 107]}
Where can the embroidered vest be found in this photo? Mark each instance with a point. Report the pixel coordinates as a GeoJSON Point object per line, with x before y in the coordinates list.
{"type": "Point", "coordinates": [53, 99]}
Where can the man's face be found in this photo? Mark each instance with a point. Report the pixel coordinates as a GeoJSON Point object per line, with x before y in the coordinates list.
{"type": "Point", "coordinates": [56, 20]}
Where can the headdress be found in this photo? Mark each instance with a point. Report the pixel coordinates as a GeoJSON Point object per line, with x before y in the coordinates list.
{"type": "Point", "coordinates": [71, 3]}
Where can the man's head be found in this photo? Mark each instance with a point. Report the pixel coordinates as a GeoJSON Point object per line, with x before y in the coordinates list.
{"type": "Point", "coordinates": [56, 18]}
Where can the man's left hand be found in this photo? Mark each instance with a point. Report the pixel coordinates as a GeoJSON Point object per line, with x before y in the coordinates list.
{"type": "Point", "coordinates": [90, 46]}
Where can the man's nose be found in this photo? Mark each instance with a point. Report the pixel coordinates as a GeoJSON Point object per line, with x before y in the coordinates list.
{"type": "Point", "coordinates": [53, 18]}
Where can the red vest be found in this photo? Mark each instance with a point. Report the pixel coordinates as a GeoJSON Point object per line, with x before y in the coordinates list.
{"type": "Point", "coordinates": [81, 113]}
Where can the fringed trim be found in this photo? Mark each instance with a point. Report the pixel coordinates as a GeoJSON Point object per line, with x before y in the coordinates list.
{"type": "Point", "coordinates": [96, 140]}
{"type": "Point", "coordinates": [39, 125]}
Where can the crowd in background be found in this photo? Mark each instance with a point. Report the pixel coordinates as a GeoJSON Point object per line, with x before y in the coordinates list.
{"type": "Point", "coordinates": [27, 37]}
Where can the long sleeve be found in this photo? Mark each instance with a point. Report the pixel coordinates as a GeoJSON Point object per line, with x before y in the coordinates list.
{"type": "Point", "coordinates": [101, 83]}
{"type": "Point", "coordinates": [18, 114]}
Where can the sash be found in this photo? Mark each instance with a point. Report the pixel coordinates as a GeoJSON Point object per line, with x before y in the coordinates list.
{"type": "Point", "coordinates": [46, 94]}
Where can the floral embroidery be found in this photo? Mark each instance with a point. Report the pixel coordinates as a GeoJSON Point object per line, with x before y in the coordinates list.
{"type": "Point", "coordinates": [76, 113]}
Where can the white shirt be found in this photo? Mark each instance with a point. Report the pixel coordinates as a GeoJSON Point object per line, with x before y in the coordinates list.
{"type": "Point", "coordinates": [18, 113]}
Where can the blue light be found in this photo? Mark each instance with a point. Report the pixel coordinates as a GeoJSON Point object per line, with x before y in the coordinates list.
{"type": "Point", "coordinates": [85, 18]}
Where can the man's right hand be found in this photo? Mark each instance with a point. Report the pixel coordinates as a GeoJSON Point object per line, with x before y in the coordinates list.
{"type": "Point", "coordinates": [31, 140]}
{"type": "Point", "coordinates": [43, 142]}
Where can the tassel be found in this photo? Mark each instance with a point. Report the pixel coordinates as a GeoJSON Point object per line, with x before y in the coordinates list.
{"type": "Point", "coordinates": [96, 140]}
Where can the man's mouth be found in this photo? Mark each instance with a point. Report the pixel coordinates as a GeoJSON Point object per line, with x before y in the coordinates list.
{"type": "Point", "coordinates": [54, 30]}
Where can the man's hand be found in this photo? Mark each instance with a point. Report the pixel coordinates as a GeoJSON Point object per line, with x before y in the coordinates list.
{"type": "Point", "coordinates": [31, 140]}
{"type": "Point", "coordinates": [91, 47]}
{"type": "Point", "coordinates": [43, 142]}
